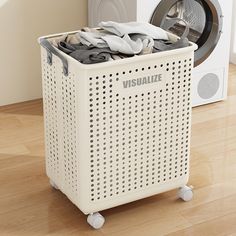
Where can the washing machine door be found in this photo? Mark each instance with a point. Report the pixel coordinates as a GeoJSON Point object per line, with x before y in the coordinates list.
{"type": "Point", "coordinates": [204, 18]}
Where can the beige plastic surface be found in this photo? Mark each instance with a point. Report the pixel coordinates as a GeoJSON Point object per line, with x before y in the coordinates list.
{"type": "Point", "coordinates": [108, 145]}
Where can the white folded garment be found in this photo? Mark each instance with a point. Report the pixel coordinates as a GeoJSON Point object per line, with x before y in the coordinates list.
{"type": "Point", "coordinates": [55, 41]}
{"type": "Point", "coordinates": [121, 29]}
{"type": "Point", "coordinates": [87, 29]}
{"type": "Point", "coordinates": [123, 45]}
{"type": "Point", "coordinates": [116, 57]}
{"type": "Point", "coordinates": [72, 39]}
{"type": "Point", "coordinates": [117, 44]}
{"type": "Point", "coordinates": [148, 43]}
{"type": "Point", "coordinates": [138, 40]}
{"type": "Point", "coordinates": [92, 39]}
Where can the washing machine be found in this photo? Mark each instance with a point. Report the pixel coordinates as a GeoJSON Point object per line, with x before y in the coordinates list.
{"type": "Point", "coordinates": [210, 26]}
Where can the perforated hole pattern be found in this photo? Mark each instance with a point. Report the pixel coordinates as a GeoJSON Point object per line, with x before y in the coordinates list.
{"type": "Point", "coordinates": [69, 133]}
{"type": "Point", "coordinates": [51, 117]}
{"type": "Point", "coordinates": [139, 140]}
{"type": "Point", "coordinates": [60, 126]}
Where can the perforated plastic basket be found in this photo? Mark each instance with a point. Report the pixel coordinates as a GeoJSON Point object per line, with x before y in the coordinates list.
{"type": "Point", "coordinates": [117, 131]}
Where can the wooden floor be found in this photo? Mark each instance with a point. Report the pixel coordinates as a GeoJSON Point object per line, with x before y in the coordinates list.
{"type": "Point", "coordinates": [28, 205]}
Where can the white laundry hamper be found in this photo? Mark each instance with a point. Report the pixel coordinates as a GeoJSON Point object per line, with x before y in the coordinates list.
{"type": "Point", "coordinates": [118, 131]}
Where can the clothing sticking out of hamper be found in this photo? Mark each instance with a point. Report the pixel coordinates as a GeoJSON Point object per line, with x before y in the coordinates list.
{"type": "Point", "coordinates": [114, 41]}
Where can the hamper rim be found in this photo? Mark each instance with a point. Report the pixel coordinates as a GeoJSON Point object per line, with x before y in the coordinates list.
{"type": "Point", "coordinates": [139, 58]}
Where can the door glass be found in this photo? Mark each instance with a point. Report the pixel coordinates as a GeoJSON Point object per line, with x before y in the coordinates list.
{"type": "Point", "coordinates": [191, 11]}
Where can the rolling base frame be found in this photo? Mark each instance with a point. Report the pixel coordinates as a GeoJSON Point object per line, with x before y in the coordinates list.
{"type": "Point", "coordinates": [96, 220]}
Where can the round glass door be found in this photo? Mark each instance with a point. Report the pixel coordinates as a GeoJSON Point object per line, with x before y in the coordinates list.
{"type": "Point", "coordinates": [203, 16]}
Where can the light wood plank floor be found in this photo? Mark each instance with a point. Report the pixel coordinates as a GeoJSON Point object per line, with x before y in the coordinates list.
{"type": "Point", "coordinates": [28, 205]}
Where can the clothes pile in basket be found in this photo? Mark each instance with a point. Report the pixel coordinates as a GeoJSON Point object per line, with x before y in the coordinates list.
{"type": "Point", "coordinates": [114, 41]}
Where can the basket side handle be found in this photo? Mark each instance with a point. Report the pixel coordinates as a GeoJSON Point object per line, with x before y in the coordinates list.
{"type": "Point", "coordinates": [51, 50]}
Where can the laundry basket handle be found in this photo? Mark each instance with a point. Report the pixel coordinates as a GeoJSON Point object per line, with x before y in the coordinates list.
{"type": "Point", "coordinates": [51, 50]}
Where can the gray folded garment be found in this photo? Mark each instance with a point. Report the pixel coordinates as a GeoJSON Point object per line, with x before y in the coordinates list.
{"type": "Point", "coordinates": [88, 54]}
{"type": "Point", "coordinates": [93, 55]}
{"type": "Point", "coordinates": [162, 45]}
{"type": "Point", "coordinates": [69, 48]}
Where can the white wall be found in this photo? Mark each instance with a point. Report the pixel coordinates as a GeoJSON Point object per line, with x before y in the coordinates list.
{"type": "Point", "coordinates": [21, 23]}
{"type": "Point", "coordinates": [233, 38]}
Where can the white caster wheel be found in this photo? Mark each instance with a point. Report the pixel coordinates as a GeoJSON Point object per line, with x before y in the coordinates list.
{"type": "Point", "coordinates": [96, 220]}
{"type": "Point", "coordinates": [53, 185]}
{"type": "Point", "coordinates": [185, 193]}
